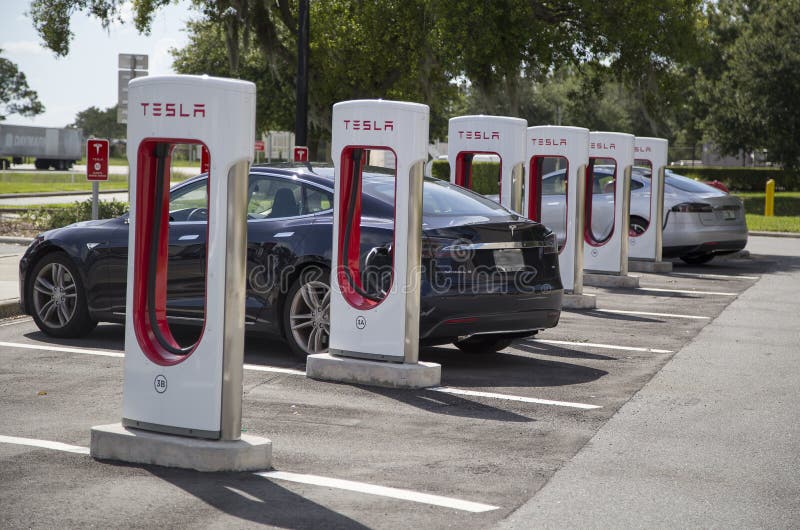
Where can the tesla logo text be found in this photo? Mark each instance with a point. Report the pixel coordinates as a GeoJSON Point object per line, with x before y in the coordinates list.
{"type": "Point", "coordinates": [479, 135]}
{"type": "Point", "coordinates": [175, 110]}
{"type": "Point", "coordinates": [549, 141]}
{"type": "Point", "coordinates": [602, 145]}
{"type": "Point", "coordinates": [369, 125]}
{"type": "Point", "coordinates": [642, 149]}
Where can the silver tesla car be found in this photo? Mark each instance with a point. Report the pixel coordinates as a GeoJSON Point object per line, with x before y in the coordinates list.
{"type": "Point", "coordinates": [700, 221]}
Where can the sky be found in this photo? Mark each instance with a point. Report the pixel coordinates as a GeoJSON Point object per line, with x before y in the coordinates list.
{"type": "Point", "coordinates": [88, 75]}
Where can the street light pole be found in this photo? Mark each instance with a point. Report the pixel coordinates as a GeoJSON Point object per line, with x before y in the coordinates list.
{"type": "Point", "coordinates": [301, 114]}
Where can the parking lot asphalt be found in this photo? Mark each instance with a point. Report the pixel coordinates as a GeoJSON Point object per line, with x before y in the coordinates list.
{"type": "Point", "coordinates": [501, 427]}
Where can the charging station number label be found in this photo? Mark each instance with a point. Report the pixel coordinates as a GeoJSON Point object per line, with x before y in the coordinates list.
{"type": "Point", "coordinates": [361, 322]}
{"type": "Point", "coordinates": [160, 383]}
{"type": "Point", "coordinates": [509, 260]}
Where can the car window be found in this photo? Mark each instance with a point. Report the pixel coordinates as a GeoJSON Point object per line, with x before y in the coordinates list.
{"type": "Point", "coordinates": [635, 184]}
{"type": "Point", "coordinates": [687, 184]}
{"type": "Point", "coordinates": [273, 198]}
{"type": "Point", "coordinates": [191, 196]}
{"type": "Point", "coordinates": [439, 198]}
{"type": "Point", "coordinates": [554, 183]}
{"type": "Point", "coordinates": [602, 182]}
{"type": "Point", "coordinates": [316, 200]}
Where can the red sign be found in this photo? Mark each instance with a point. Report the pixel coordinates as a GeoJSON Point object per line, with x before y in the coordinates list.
{"type": "Point", "coordinates": [205, 160]}
{"type": "Point", "coordinates": [259, 145]}
{"type": "Point", "coordinates": [301, 154]}
{"type": "Point", "coordinates": [96, 159]}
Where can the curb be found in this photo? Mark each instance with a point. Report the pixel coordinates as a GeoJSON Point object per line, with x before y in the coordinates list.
{"type": "Point", "coordinates": [10, 308]}
{"type": "Point", "coordinates": [16, 240]}
{"type": "Point", "coordinates": [775, 234]}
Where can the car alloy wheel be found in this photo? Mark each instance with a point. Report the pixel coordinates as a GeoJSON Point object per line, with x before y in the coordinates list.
{"type": "Point", "coordinates": [55, 296]}
{"type": "Point", "coordinates": [310, 316]}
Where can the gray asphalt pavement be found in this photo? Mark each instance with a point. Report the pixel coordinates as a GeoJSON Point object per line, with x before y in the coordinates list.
{"type": "Point", "coordinates": [697, 417]}
{"type": "Point", "coordinates": [713, 440]}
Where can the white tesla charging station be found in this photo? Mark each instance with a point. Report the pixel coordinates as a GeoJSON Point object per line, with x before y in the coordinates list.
{"type": "Point", "coordinates": [368, 327]}
{"type": "Point", "coordinates": [489, 135]}
{"type": "Point", "coordinates": [644, 247]}
{"type": "Point", "coordinates": [193, 391]}
{"type": "Point", "coordinates": [570, 147]}
{"type": "Point", "coordinates": [608, 209]}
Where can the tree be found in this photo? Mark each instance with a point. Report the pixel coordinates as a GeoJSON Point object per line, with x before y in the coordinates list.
{"type": "Point", "coordinates": [100, 123]}
{"type": "Point", "coordinates": [16, 97]}
{"type": "Point", "coordinates": [754, 104]}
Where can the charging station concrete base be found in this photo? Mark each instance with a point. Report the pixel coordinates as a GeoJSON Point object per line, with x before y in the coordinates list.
{"type": "Point", "coordinates": [327, 367]}
{"type": "Point", "coordinates": [578, 301]}
{"type": "Point", "coordinates": [115, 442]}
{"type": "Point", "coordinates": [613, 281]}
{"type": "Point", "coordinates": [635, 265]}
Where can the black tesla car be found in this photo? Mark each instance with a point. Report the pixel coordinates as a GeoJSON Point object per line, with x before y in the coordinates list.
{"type": "Point", "coordinates": [488, 275]}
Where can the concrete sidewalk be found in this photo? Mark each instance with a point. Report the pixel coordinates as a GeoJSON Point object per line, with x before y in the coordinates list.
{"type": "Point", "coordinates": [9, 278]}
{"type": "Point", "coordinates": [712, 441]}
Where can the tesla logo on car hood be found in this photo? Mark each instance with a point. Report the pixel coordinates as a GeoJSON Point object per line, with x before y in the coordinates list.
{"type": "Point", "coordinates": [479, 135]}
{"type": "Point", "coordinates": [512, 228]}
{"type": "Point", "coordinates": [174, 110]}
{"type": "Point", "coordinates": [549, 141]}
{"type": "Point", "coordinates": [369, 125]}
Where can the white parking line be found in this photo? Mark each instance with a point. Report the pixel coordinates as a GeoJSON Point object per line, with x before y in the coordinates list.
{"type": "Point", "coordinates": [314, 480]}
{"type": "Point", "coordinates": [602, 346]}
{"type": "Point", "coordinates": [382, 491]}
{"type": "Point", "coordinates": [684, 291]}
{"type": "Point", "coordinates": [508, 397]}
{"type": "Point", "coordinates": [83, 351]}
{"type": "Point", "coordinates": [290, 371]}
{"type": "Point", "coordinates": [274, 369]}
{"type": "Point", "coordinates": [15, 322]}
{"type": "Point", "coordinates": [713, 276]}
{"type": "Point", "coordinates": [44, 444]}
{"type": "Point", "coordinates": [649, 314]}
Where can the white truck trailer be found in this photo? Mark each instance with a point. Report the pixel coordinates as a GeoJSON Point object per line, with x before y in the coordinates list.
{"type": "Point", "coordinates": [50, 146]}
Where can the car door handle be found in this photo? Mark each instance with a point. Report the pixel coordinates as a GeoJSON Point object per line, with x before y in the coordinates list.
{"type": "Point", "coordinates": [189, 237]}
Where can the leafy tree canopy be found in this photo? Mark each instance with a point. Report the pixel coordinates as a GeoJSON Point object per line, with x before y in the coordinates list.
{"type": "Point", "coordinates": [100, 123]}
{"type": "Point", "coordinates": [16, 97]}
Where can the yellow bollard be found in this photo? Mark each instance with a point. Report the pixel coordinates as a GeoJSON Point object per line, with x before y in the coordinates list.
{"type": "Point", "coordinates": [769, 200]}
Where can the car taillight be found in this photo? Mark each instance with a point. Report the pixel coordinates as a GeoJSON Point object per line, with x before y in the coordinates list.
{"type": "Point", "coordinates": [551, 244]}
{"type": "Point", "coordinates": [693, 207]}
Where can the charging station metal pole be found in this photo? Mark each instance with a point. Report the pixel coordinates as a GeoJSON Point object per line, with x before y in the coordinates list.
{"type": "Point", "coordinates": [501, 136]}
{"type": "Point", "coordinates": [605, 259]}
{"type": "Point", "coordinates": [645, 248]}
{"type": "Point", "coordinates": [192, 391]}
{"type": "Point", "coordinates": [570, 145]}
{"type": "Point", "coordinates": [374, 338]}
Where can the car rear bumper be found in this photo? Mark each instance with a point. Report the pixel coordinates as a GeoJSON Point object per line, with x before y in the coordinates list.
{"type": "Point", "coordinates": [715, 247]}
{"type": "Point", "coordinates": [443, 319]}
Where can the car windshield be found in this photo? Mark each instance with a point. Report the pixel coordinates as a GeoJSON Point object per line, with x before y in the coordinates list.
{"type": "Point", "coordinates": [439, 198]}
{"type": "Point", "coordinates": [687, 184]}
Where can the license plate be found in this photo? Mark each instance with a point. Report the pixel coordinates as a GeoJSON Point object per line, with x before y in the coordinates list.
{"type": "Point", "coordinates": [509, 260]}
{"type": "Point", "coordinates": [728, 214]}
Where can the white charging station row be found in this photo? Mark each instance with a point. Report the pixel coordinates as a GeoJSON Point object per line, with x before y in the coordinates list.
{"type": "Point", "coordinates": [182, 406]}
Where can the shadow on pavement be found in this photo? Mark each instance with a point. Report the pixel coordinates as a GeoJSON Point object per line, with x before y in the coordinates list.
{"type": "Point", "coordinates": [448, 404]}
{"type": "Point", "coordinates": [616, 316]}
{"type": "Point", "coordinates": [254, 499]}
{"type": "Point", "coordinates": [556, 351]}
{"type": "Point", "coordinates": [508, 370]}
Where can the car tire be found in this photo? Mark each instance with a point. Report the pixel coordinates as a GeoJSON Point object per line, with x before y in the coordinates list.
{"type": "Point", "coordinates": [483, 345]}
{"type": "Point", "coordinates": [699, 259]}
{"type": "Point", "coordinates": [57, 298]}
{"type": "Point", "coordinates": [306, 312]}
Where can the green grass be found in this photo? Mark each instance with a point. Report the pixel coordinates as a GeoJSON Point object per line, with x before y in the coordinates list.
{"type": "Point", "coordinates": [41, 182]}
{"type": "Point", "coordinates": [787, 211]}
{"type": "Point", "coordinates": [761, 223]}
